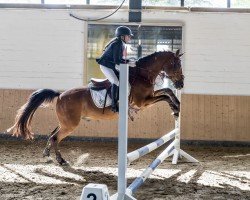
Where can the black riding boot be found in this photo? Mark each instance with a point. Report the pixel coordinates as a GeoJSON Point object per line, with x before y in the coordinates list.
{"type": "Point", "coordinates": [115, 97]}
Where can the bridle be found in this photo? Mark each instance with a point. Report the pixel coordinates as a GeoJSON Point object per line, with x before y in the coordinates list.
{"type": "Point", "coordinates": [149, 73]}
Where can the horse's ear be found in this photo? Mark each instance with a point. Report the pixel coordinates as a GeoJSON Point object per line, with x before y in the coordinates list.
{"type": "Point", "coordinates": [177, 53]}
{"type": "Point", "coordinates": [181, 54]}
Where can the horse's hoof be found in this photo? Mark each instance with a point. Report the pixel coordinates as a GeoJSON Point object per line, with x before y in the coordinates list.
{"type": "Point", "coordinates": [46, 153]}
{"type": "Point", "coordinates": [176, 115]}
{"type": "Point", "coordinates": [115, 109]}
{"type": "Point", "coordinates": [65, 163]}
{"type": "Point", "coordinates": [62, 162]}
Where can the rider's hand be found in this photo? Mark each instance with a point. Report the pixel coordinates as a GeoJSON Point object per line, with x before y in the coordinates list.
{"type": "Point", "coordinates": [132, 63]}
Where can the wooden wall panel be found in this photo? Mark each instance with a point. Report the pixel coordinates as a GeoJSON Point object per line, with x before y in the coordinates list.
{"type": "Point", "coordinates": [151, 123]}
{"type": "Point", "coordinates": [203, 117]}
{"type": "Point", "coordinates": [214, 117]}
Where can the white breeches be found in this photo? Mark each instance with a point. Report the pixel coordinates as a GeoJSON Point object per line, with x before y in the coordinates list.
{"type": "Point", "coordinates": [110, 74]}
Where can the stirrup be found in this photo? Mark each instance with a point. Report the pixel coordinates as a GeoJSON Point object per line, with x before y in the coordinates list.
{"type": "Point", "coordinates": [115, 108]}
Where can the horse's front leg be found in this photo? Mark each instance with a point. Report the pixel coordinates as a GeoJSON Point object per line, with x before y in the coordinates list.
{"type": "Point", "coordinates": [173, 99]}
{"type": "Point", "coordinates": [155, 99]}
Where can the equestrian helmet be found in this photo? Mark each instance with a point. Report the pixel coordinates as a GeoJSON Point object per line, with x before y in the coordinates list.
{"type": "Point", "coordinates": [123, 30]}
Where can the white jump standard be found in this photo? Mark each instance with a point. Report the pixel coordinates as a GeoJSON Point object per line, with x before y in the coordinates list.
{"type": "Point", "coordinates": [123, 136]}
{"type": "Point", "coordinates": [177, 152]}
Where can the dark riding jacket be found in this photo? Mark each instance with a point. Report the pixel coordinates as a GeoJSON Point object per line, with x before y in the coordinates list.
{"type": "Point", "coordinates": [112, 55]}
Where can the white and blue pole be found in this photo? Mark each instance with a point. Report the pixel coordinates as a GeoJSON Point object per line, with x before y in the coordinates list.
{"type": "Point", "coordinates": [123, 135]}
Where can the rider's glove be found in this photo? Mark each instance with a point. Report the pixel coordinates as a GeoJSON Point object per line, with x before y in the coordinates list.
{"type": "Point", "coordinates": [132, 63]}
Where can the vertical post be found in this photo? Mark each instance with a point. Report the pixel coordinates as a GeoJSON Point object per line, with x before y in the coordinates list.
{"type": "Point", "coordinates": [84, 45]}
{"type": "Point", "coordinates": [139, 50]}
{"type": "Point", "coordinates": [135, 7]}
{"type": "Point", "coordinates": [177, 135]}
{"type": "Point", "coordinates": [182, 3]}
{"type": "Point", "coordinates": [178, 152]}
{"type": "Point", "coordinates": [123, 131]}
{"type": "Point", "coordinates": [229, 3]}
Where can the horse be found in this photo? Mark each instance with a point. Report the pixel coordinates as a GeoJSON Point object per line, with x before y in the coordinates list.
{"type": "Point", "coordinates": [77, 103]}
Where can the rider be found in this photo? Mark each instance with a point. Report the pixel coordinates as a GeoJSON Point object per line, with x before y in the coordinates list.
{"type": "Point", "coordinates": [115, 53]}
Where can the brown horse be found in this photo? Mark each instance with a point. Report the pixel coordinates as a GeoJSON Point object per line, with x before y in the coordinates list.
{"type": "Point", "coordinates": [74, 104]}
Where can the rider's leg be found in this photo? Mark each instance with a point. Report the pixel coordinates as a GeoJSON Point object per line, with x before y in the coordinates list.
{"type": "Point", "coordinates": [115, 97]}
{"type": "Point", "coordinates": [112, 77]}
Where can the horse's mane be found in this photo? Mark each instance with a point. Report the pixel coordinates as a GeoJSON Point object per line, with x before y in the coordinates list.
{"type": "Point", "coordinates": [144, 61]}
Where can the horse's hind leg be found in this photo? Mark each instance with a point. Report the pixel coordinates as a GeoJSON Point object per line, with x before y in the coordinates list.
{"type": "Point", "coordinates": [55, 140]}
{"type": "Point", "coordinates": [46, 151]}
{"type": "Point", "coordinates": [69, 110]}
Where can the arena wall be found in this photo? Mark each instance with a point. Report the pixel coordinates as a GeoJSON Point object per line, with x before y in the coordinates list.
{"type": "Point", "coordinates": [45, 48]}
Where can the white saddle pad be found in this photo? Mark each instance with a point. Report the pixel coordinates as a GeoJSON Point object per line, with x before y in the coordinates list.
{"type": "Point", "coordinates": [98, 97]}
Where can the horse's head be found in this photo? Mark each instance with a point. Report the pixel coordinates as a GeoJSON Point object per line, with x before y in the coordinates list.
{"type": "Point", "coordinates": [172, 67]}
{"type": "Point", "coordinates": [162, 61]}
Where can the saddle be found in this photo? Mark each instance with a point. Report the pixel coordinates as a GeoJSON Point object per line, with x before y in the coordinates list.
{"type": "Point", "coordinates": [100, 84]}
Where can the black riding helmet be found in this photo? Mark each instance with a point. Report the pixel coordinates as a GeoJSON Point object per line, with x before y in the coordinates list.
{"type": "Point", "coordinates": [123, 30]}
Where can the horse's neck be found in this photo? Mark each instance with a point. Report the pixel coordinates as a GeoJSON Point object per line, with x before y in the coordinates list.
{"type": "Point", "coordinates": [156, 65]}
{"type": "Point", "coordinates": [162, 61]}
{"type": "Point", "coordinates": [150, 71]}
{"type": "Point", "coordinates": [145, 74]}
{"type": "Point", "coordinates": [154, 71]}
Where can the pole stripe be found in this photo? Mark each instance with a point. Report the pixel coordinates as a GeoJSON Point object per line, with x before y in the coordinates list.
{"type": "Point", "coordinates": [134, 155]}
{"type": "Point", "coordinates": [155, 163]}
{"type": "Point", "coordinates": [135, 185]}
{"type": "Point", "coordinates": [149, 170]}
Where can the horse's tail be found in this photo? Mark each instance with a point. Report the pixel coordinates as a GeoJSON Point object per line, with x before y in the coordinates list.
{"type": "Point", "coordinates": [25, 113]}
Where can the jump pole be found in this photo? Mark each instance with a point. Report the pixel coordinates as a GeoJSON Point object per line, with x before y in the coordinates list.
{"type": "Point", "coordinates": [150, 169]}
{"type": "Point", "coordinates": [172, 149]}
{"type": "Point", "coordinates": [136, 154]}
{"type": "Point", "coordinates": [177, 152]}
